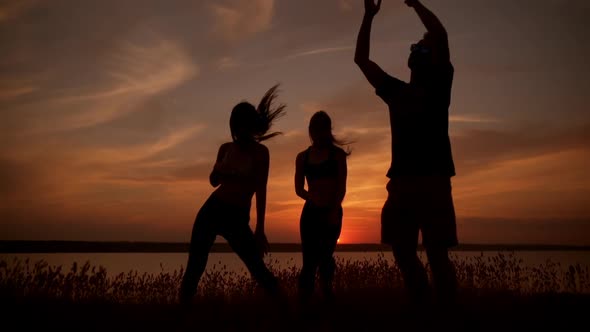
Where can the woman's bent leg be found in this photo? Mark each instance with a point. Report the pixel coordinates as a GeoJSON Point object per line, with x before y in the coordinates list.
{"type": "Point", "coordinates": [202, 238]}
{"type": "Point", "coordinates": [241, 239]}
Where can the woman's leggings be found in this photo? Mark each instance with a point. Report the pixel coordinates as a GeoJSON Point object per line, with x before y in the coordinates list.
{"type": "Point", "coordinates": [218, 218]}
{"type": "Point", "coordinates": [319, 236]}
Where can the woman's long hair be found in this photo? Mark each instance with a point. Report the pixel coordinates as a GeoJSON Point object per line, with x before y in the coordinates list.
{"type": "Point", "coordinates": [250, 123]}
{"type": "Point", "coordinates": [321, 123]}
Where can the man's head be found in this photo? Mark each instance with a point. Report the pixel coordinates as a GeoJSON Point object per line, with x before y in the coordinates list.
{"type": "Point", "coordinates": [424, 60]}
{"type": "Point", "coordinates": [422, 54]}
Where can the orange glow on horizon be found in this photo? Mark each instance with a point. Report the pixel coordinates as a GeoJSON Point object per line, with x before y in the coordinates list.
{"type": "Point", "coordinates": [124, 152]}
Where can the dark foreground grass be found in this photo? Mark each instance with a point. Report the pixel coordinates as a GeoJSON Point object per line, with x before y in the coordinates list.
{"type": "Point", "coordinates": [375, 310]}
{"type": "Point", "coordinates": [497, 294]}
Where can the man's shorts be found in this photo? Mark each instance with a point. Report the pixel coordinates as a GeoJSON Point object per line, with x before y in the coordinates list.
{"type": "Point", "coordinates": [419, 204]}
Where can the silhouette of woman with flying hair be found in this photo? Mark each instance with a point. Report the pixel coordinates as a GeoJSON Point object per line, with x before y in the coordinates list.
{"type": "Point", "coordinates": [324, 167]}
{"type": "Point", "coordinates": [240, 171]}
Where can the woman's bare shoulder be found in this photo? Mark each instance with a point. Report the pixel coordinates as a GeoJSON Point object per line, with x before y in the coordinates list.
{"type": "Point", "coordinates": [301, 154]}
{"type": "Point", "coordinates": [340, 153]}
{"type": "Point", "coordinates": [225, 146]}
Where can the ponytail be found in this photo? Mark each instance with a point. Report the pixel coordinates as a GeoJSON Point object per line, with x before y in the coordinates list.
{"type": "Point", "coordinates": [267, 114]}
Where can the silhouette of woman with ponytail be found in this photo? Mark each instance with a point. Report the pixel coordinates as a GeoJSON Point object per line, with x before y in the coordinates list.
{"type": "Point", "coordinates": [324, 167]}
{"type": "Point", "coordinates": [240, 171]}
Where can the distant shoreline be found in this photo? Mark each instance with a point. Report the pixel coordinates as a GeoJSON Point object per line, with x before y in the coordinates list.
{"type": "Point", "coordinates": [23, 247]}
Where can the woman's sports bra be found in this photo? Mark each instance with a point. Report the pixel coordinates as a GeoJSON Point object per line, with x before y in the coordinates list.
{"type": "Point", "coordinates": [326, 169]}
{"type": "Point", "coordinates": [238, 166]}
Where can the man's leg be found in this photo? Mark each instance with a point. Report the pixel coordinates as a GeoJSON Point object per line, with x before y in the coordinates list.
{"type": "Point", "coordinates": [443, 274]}
{"type": "Point", "coordinates": [439, 232]}
{"type": "Point", "coordinates": [399, 229]}
{"type": "Point", "coordinates": [413, 272]}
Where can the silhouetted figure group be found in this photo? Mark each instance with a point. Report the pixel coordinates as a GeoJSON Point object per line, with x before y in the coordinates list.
{"type": "Point", "coordinates": [419, 189]}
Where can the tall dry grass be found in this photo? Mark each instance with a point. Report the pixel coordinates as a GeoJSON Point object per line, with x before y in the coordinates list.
{"type": "Point", "coordinates": [23, 279]}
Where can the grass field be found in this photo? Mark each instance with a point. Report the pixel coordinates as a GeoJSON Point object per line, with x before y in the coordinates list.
{"type": "Point", "coordinates": [497, 293]}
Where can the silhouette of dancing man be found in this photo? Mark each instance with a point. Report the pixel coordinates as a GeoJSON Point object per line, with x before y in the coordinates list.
{"type": "Point", "coordinates": [419, 188]}
{"type": "Point", "coordinates": [323, 165]}
{"type": "Point", "coordinates": [240, 171]}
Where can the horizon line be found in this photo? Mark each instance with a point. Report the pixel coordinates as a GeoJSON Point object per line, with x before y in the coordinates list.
{"type": "Point", "coordinates": [72, 246]}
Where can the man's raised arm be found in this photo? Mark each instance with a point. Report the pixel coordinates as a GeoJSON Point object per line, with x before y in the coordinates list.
{"type": "Point", "coordinates": [374, 74]}
{"type": "Point", "coordinates": [433, 25]}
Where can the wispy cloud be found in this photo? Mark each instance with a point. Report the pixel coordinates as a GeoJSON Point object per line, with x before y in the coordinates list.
{"type": "Point", "coordinates": [136, 73]}
{"type": "Point", "coordinates": [227, 62]}
{"type": "Point", "coordinates": [345, 5]}
{"type": "Point", "coordinates": [15, 92]}
{"type": "Point", "coordinates": [240, 19]}
{"type": "Point", "coordinates": [466, 118]}
{"type": "Point", "coordinates": [143, 151]}
{"type": "Point", "coordinates": [319, 51]}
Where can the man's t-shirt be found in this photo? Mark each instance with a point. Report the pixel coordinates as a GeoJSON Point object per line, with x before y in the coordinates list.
{"type": "Point", "coordinates": [419, 118]}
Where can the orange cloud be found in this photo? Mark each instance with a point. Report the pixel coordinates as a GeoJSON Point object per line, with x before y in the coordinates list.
{"type": "Point", "coordinates": [97, 141]}
{"type": "Point", "coordinates": [540, 186]}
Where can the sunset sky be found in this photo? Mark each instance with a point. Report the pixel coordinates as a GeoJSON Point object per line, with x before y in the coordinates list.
{"type": "Point", "coordinates": [111, 112]}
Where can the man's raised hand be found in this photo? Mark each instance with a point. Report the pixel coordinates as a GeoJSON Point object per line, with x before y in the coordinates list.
{"type": "Point", "coordinates": [372, 8]}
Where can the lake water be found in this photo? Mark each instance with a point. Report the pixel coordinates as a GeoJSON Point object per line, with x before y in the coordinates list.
{"type": "Point", "coordinates": [154, 263]}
